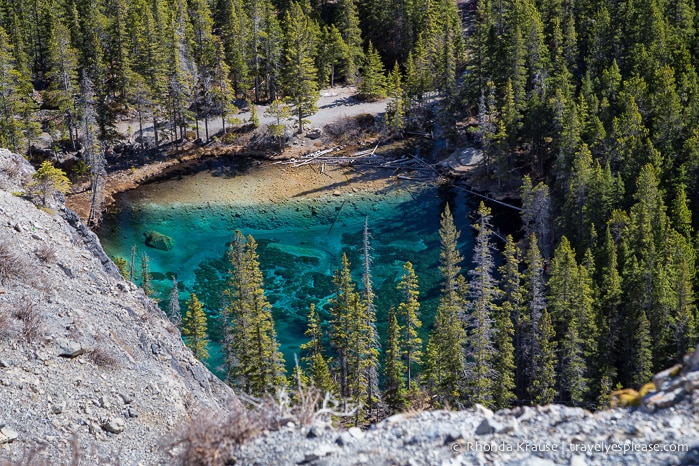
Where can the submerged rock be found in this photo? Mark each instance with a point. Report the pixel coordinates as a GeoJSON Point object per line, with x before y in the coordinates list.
{"type": "Point", "coordinates": [158, 240]}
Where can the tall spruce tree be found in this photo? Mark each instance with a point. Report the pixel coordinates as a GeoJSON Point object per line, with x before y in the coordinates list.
{"type": "Point", "coordinates": [482, 293]}
{"type": "Point", "coordinates": [539, 346]}
{"type": "Point", "coordinates": [395, 393]}
{"type": "Point", "coordinates": [372, 85]}
{"type": "Point", "coordinates": [300, 74]}
{"type": "Point", "coordinates": [571, 313]}
{"type": "Point", "coordinates": [254, 361]}
{"type": "Point", "coordinates": [368, 297]}
{"type": "Point", "coordinates": [17, 108]}
{"type": "Point", "coordinates": [409, 320]}
{"type": "Point", "coordinates": [444, 356]}
{"type": "Point", "coordinates": [351, 337]}
{"type": "Point", "coordinates": [507, 336]}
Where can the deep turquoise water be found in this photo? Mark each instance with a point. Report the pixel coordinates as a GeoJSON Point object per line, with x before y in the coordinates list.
{"type": "Point", "coordinates": [301, 241]}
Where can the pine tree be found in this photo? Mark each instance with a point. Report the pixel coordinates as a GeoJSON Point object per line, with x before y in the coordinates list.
{"type": "Point", "coordinates": [542, 389]}
{"type": "Point", "coordinates": [409, 320]}
{"type": "Point", "coordinates": [280, 112]}
{"type": "Point", "coordinates": [372, 355]}
{"type": "Point", "coordinates": [231, 19]}
{"type": "Point", "coordinates": [395, 393]}
{"type": "Point", "coordinates": [351, 336]}
{"type": "Point", "coordinates": [444, 356]}
{"type": "Point", "coordinates": [63, 78]}
{"type": "Point", "coordinates": [609, 317]}
{"type": "Point", "coordinates": [395, 112]}
{"type": "Point", "coordinates": [92, 148]}
{"type": "Point", "coordinates": [316, 364]}
{"type": "Point", "coordinates": [372, 85]}
{"type": "Point", "coordinates": [252, 353]}
{"type": "Point", "coordinates": [570, 309]}
{"type": "Point", "coordinates": [300, 75]}
{"type": "Point", "coordinates": [538, 333]}
{"type": "Point", "coordinates": [331, 52]}
{"type": "Point", "coordinates": [642, 355]}
{"type": "Point", "coordinates": [483, 293]}
{"type": "Point", "coordinates": [536, 213]}
{"type": "Point", "coordinates": [146, 280]}
{"type": "Point", "coordinates": [194, 328]}
{"type": "Point", "coordinates": [16, 105]}
{"type": "Point", "coordinates": [47, 181]}
{"type": "Point", "coordinates": [348, 24]}
{"type": "Point", "coordinates": [507, 336]}
{"type": "Point", "coordinates": [173, 304]}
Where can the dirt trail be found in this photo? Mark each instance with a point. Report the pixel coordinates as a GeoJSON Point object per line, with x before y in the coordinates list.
{"type": "Point", "coordinates": [334, 104]}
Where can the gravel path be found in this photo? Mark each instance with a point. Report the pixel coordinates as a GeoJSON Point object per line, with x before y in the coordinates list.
{"type": "Point", "coordinates": [334, 104]}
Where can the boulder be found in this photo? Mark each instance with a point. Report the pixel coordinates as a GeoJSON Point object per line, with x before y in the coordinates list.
{"type": "Point", "coordinates": [69, 348]}
{"type": "Point", "coordinates": [114, 425]}
{"type": "Point", "coordinates": [8, 435]}
{"type": "Point", "coordinates": [159, 241]}
{"type": "Point", "coordinates": [314, 133]}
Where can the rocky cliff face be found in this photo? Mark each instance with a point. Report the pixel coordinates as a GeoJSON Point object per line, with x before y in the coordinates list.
{"type": "Point", "coordinates": [83, 352]}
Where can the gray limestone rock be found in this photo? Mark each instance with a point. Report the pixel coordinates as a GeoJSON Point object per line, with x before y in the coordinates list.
{"type": "Point", "coordinates": [114, 425]}
{"type": "Point", "coordinates": [68, 348]}
{"type": "Point", "coordinates": [8, 435]}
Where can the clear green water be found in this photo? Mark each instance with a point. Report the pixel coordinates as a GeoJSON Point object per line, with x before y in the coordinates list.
{"type": "Point", "coordinates": [301, 241]}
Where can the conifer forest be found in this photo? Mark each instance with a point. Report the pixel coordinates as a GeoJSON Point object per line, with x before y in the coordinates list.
{"type": "Point", "coordinates": [586, 110]}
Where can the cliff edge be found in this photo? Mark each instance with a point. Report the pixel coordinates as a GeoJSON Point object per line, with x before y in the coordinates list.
{"type": "Point", "coordinates": [87, 361]}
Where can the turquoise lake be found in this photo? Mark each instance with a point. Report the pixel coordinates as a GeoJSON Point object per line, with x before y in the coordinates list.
{"type": "Point", "coordinates": [301, 238]}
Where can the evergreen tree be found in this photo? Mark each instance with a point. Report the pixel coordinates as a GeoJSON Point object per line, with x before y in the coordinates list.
{"type": "Point", "coordinates": [146, 280]}
{"type": "Point", "coordinates": [332, 50]}
{"type": "Point", "coordinates": [395, 393]}
{"type": "Point", "coordinates": [316, 364]}
{"type": "Point", "coordinates": [542, 389]}
{"type": "Point", "coordinates": [507, 339]}
{"type": "Point", "coordinates": [17, 128]}
{"type": "Point", "coordinates": [571, 306]}
{"type": "Point", "coordinates": [351, 336]}
{"type": "Point", "coordinates": [407, 313]}
{"type": "Point", "coordinates": [254, 362]}
{"type": "Point", "coordinates": [194, 328]}
{"type": "Point", "coordinates": [63, 77]}
{"type": "Point", "coordinates": [300, 75]}
{"type": "Point", "coordinates": [47, 181]}
{"type": "Point", "coordinates": [609, 316]}
{"type": "Point", "coordinates": [173, 304]}
{"type": "Point", "coordinates": [280, 112]}
{"type": "Point", "coordinates": [372, 361]}
{"type": "Point", "coordinates": [395, 112]}
{"type": "Point", "coordinates": [372, 85]}
{"type": "Point", "coordinates": [482, 292]}
{"type": "Point", "coordinates": [536, 213]}
{"type": "Point", "coordinates": [538, 334]}
{"type": "Point", "coordinates": [347, 22]}
{"type": "Point", "coordinates": [444, 355]}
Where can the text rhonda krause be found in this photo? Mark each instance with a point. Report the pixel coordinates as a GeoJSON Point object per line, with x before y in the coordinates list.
{"type": "Point", "coordinates": [595, 447]}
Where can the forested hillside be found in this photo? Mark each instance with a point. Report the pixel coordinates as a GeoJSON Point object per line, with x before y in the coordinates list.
{"type": "Point", "coordinates": [589, 110]}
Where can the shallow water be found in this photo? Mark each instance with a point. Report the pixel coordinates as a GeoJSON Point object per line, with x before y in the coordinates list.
{"type": "Point", "coordinates": [301, 241]}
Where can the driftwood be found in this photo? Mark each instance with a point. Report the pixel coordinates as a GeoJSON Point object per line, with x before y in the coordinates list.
{"type": "Point", "coordinates": [365, 159]}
